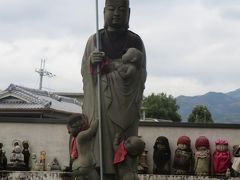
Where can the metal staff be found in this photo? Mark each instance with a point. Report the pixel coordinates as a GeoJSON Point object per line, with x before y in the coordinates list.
{"type": "Point", "coordinates": [99, 97]}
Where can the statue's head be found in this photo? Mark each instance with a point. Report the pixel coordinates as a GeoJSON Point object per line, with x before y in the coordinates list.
{"type": "Point", "coordinates": [25, 144]}
{"type": "Point", "coordinates": [17, 149]}
{"type": "Point", "coordinates": [134, 145]}
{"type": "Point", "coordinates": [76, 124]}
{"type": "Point", "coordinates": [161, 143]}
{"type": "Point", "coordinates": [184, 142]}
{"type": "Point", "coordinates": [116, 14]}
{"type": "Point", "coordinates": [34, 156]}
{"type": "Point", "coordinates": [202, 143]}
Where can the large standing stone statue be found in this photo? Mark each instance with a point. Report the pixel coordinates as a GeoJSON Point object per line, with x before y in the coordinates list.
{"type": "Point", "coordinates": [123, 73]}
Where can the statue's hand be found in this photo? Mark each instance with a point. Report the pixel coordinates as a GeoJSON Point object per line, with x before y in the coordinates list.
{"type": "Point", "coordinates": [97, 57]}
{"type": "Point", "coordinates": [94, 125]}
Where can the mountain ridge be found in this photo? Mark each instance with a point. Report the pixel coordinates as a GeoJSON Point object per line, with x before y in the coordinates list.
{"type": "Point", "coordinates": [224, 107]}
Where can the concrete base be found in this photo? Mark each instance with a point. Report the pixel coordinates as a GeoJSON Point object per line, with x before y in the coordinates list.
{"type": "Point", "coordinates": [173, 177]}
{"type": "Point", "coordinates": [34, 175]}
{"type": "Point", "coordinates": [55, 175]}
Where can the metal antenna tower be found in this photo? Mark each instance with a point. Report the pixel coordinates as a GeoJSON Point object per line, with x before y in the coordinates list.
{"type": "Point", "coordinates": [43, 72]}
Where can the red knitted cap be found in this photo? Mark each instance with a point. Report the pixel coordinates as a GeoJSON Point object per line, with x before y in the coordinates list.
{"type": "Point", "coordinates": [184, 140]}
{"type": "Point", "coordinates": [202, 141]}
{"type": "Point", "coordinates": [221, 142]}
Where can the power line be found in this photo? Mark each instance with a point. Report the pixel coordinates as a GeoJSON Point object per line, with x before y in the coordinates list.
{"type": "Point", "coordinates": [43, 72]}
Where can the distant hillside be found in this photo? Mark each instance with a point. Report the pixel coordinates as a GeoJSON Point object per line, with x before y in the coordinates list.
{"type": "Point", "coordinates": [224, 107]}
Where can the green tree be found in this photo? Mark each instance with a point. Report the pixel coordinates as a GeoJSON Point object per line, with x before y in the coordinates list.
{"type": "Point", "coordinates": [161, 106]}
{"type": "Point", "coordinates": [200, 114]}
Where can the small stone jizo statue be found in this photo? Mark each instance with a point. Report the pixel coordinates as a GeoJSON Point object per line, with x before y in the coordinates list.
{"type": "Point", "coordinates": [26, 154]}
{"type": "Point", "coordinates": [202, 157]}
{"type": "Point", "coordinates": [143, 162]}
{"type": "Point", "coordinates": [221, 158]}
{"type": "Point", "coordinates": [17, 158]}
{"type": "Point", "coordinates": [161, 156]}
{"type": "Point", "coordinates": [42, 161]}
{"type": "Point", "coordinates": [3, 158]}
{"type": "Point", "coordinates": [54, 165]}
{"type": "Point", "coordinates": [183, 160]}
{"type": "Point", "coordinates": [236, 160]}
{"type": "Point", "coordinates": [34, 164]}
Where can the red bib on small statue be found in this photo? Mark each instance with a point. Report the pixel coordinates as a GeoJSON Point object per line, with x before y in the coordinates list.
{"type": "Point", "coordinates": [120, 154]}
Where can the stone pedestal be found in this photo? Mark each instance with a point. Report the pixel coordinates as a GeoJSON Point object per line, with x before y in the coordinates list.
{"type": "Point", "coordinates": [54, 175]}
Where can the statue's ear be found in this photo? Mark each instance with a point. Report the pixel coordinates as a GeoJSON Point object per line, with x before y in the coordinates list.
{"type": "Point", "coordinates": [129, 11]}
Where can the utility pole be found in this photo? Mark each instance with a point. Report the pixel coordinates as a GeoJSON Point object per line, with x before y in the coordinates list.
{"type": "Point", "coordinates": [43, 72]}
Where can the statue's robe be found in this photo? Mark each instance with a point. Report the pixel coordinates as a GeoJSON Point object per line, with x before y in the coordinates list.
{"type": "Point", "coordinates": [183, 162]}
{"type": "Point", "coordinates": [120, 97]}
{"type": "Point", "coordinates": [202, 162]}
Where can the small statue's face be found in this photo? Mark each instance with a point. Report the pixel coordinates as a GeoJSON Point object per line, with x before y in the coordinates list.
{"type": "Point", "coordinates": [17, 149]}
{"type": "Point", "coordinates": [201, 148]}
{"type": "Point", "coordinates": [34, 156]}
{"type": "Point", "coordinates": [116, 14]}
{"type": "Point", "coordinates": [161, 146]}
{"type": "Point", "coordinates": [25, 145]}
{"type": "Point", "coordinates": [73, 130]}
{"type": "Point", "coordinates": [182, 146]}
{"type": "Point", "coordinates": [43, 153]}
{"type": "Point", "coordinates": [222, 147]}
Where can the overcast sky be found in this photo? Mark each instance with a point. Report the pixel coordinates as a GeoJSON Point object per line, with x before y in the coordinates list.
{"type": "Point", "coordinates": [192, 46]}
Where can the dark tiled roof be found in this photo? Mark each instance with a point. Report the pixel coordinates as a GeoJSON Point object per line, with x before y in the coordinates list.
{"type": "Point", "coordinates": [18, 97]}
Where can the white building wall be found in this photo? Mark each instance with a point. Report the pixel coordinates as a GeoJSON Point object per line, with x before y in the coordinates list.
{"type": "Point", "coordinates": [54, 138]}
{"type": "Point", "coordinates": [150, 134]}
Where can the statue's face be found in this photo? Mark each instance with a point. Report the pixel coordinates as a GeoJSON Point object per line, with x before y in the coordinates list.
{"type": "Point", "coordinates": [25, 145]}
{"type": "Point", "coordinates": [161, 146]}
{"type": "Point", "coordinates": [34, 156]}
{"type": "Point", "coordinates": [116, 14]}
{"type": "Point", "coordinates": [74, 129]}
{"type": "Point", "coordinates": [182, 146]}
{"type": "Point", "coordinates": [222, 147]}
{"type": "Point", "coordinates": [17, 149]}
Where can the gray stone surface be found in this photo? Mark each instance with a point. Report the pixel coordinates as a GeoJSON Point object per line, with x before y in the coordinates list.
{"type": "Point", "coordinates": [54, 175]}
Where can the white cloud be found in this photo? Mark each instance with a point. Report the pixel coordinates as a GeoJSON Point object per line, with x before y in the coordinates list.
{"type": "Point", "coordinates": [192, 46]}
{"type": "Point", "coordinates": [188, 86]}
{"type": "Point", "coordinates": [20, 58]}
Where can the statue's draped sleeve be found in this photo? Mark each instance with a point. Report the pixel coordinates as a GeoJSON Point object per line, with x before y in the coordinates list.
{"type": "Point", "coordinates": [89, 82]}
